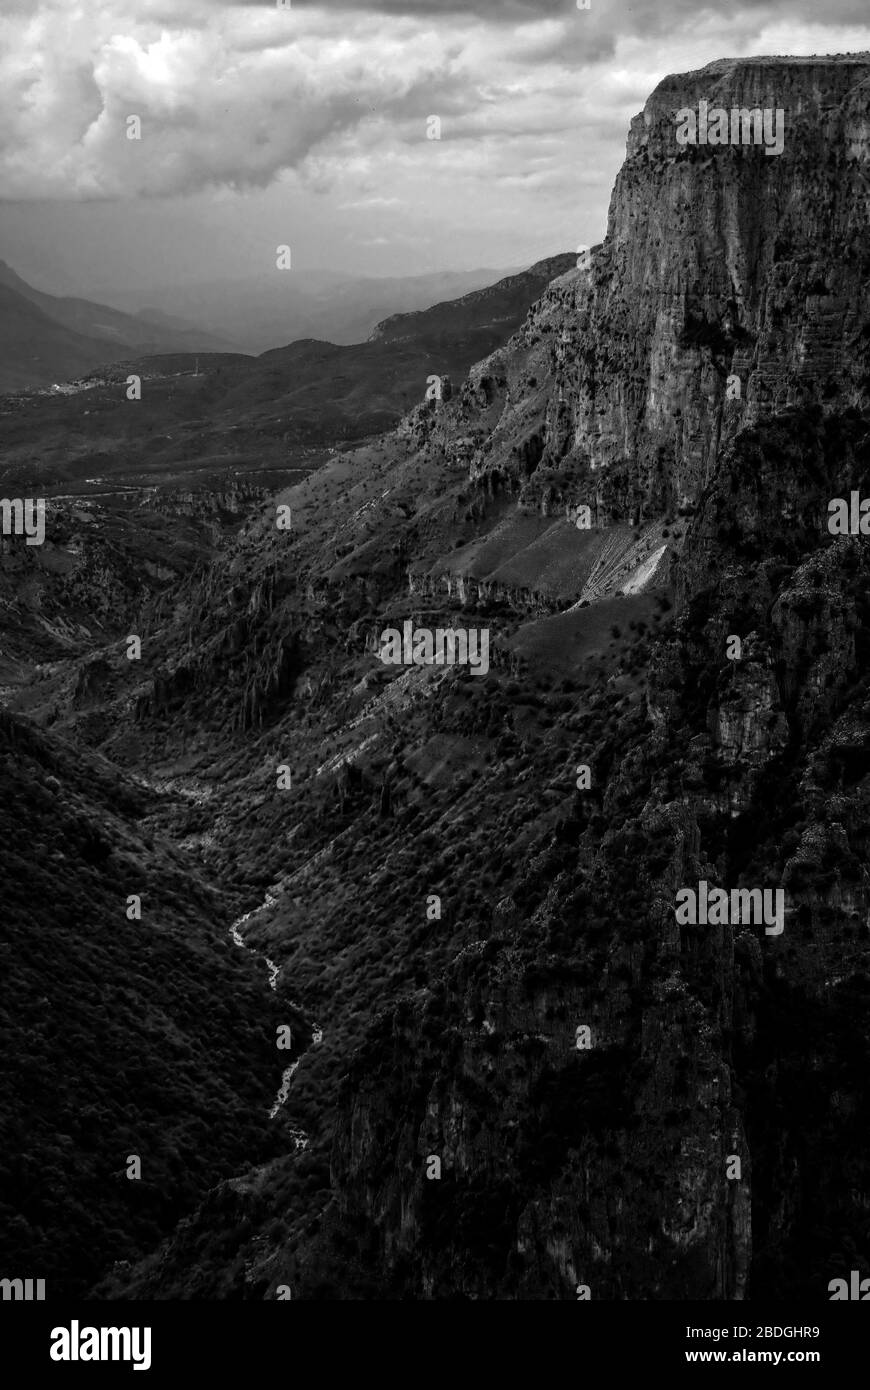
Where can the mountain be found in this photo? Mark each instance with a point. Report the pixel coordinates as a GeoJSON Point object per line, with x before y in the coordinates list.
{"type": "Point", "coordinates": [369, 385]}
{"type": "Point", "coordinates": [528, 1072]}
{"type": "Point", "coordinates": [270, 310]}
{"type": "Point", "coordinates": [498, 306]}
{"type": "Point", "coordinates": [204, 415]}
{"type": "Point", "coordinates": [47, 339]}
{"type": "Point", "coordinates": [35, 348]}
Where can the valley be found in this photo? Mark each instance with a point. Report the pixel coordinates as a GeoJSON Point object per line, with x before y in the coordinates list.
{"type": "Point", "coordinates": [433, 884]}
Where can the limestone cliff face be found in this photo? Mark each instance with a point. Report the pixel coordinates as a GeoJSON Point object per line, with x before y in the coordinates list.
{"type": "Point", "coordinates": [716, 268]}
{"type": "Point", "coordinates": [610, 1167]}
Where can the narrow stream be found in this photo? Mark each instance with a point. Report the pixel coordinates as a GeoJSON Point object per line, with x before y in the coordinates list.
{"type": "Point", "coordinates": [298, 1136]}
{"type": "Point", "coordinates": [199, 797]}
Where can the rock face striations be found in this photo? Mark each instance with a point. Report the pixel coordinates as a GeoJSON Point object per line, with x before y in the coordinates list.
{"type": "Point", "coordinates": [731, 285]}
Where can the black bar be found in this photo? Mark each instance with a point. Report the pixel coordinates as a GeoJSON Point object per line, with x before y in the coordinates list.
{"type": "Point", "coordinates": [300, 1340]}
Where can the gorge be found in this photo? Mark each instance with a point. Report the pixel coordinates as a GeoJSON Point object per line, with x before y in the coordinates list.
{"type": "Point", "coordinates": [608, 1166]}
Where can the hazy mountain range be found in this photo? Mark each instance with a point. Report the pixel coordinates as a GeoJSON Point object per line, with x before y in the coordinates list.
{"type": "Point", "coordinates": [273, 309]}
{"type": "Point", "coordinates": [46, 338]}
{"type": "Point", "coordinates": [205, 415]}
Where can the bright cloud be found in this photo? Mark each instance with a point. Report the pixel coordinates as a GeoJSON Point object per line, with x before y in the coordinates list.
{"type": "Point", "coordinates": [263, 124]}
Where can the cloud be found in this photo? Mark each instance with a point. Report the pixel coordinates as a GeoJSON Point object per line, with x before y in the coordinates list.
{"type": "Point", "coordinates": [232, 104]}
{"type": "Point", "coordinates": [504, 12]}
{"type": "Point", "coordinates": [374, 204]}
{"type": "Point", "coordinates": [235, 96]}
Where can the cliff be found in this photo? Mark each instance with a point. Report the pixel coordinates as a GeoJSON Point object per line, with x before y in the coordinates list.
{"type": "Point", "coordinates": [717, 267]}
{"type": "Point", "coordinates": [616, 1099]}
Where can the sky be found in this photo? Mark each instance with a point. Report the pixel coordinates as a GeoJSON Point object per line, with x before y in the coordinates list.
{"type": "Point", "coordinates": [305, 124]}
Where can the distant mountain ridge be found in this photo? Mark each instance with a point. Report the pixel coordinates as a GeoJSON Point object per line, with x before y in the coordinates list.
{"type": "Point", "coordinates": [44, 338]}
{"type": "Point", "coordinates": [214, 411]}
{"type": "Point", "coordinates": [272, 309]}
{"type": "Point", "coordinates": [35, 349]}
{"type": "Point", "coordinates": [507, 294]}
